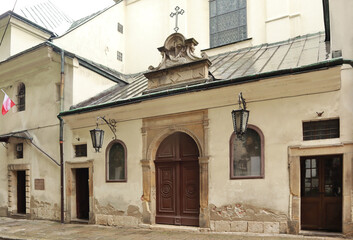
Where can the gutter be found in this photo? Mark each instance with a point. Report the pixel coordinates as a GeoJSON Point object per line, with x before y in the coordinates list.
{"type": "Point", "coordinates": [210, 85]}
{"type": "Point", "coordinates": [61, 138]}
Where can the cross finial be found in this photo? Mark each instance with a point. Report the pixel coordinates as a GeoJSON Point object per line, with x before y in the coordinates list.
{"type": "Point", "coordinates": [176, 13]}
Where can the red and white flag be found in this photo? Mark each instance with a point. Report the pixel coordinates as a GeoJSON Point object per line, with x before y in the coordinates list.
{"type": "Point", "coordinates": [6, 104]}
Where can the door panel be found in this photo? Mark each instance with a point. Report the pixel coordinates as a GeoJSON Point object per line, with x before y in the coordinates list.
{"type": "Point", "coordinates": [321, 193]}
{"type": "Point", "coordinates": [82, 193]}
{"type": "Point", "coordinates": [21, 192]}
{"type": "Point", "coordinates": [177, 181]}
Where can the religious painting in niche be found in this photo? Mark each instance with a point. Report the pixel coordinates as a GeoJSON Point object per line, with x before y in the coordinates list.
{"type": "Point", "coordinates": [246, 156]}
{"type": "Point", "coordinates": [116, 162]}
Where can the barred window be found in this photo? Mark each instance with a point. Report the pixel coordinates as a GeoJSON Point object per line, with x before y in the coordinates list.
{"type": "Point", "coordinates": [228, 22]}
{"type": "Point", "coordinates": [323, 129]}
{"type": "Point", "coordinates": [81, 150]}
{"type": "Point", "coordinates": [120, 56]}
{"type": "Point", "coordinates": [120, 28]}
{"type": "Point", "coordinates": [19, 150]}
{"type": "Point", "coordinates": [21, 97]}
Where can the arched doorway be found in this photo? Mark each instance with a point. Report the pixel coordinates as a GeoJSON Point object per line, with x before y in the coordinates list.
{"type": "Point", "coordinates": [177, 181]}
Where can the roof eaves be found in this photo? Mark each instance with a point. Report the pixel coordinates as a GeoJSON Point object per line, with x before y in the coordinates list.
{"type": "Point", "coordinates": [210, 85]}
{"type": "Point", "coordinates": [20, 18]}
{"type": "Point", "coordinates": [83, 62]}
{"type": "Point", "coordinates": [88, 19]}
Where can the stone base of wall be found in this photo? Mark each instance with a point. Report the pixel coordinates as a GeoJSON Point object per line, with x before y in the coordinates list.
{"type": "Point", "coordinates": [120, 221]}
{"type": "Point", "coordinates": [249, 226]}
{"type": "Point", "coordinates": [3, 211]}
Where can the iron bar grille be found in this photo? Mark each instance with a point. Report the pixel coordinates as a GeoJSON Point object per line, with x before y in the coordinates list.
{"type": "Point", "coordinates": [119, 56]}
{"type": "Point", "coordinates": [19, 150]}
{"type": "Point", "coordinates": [81, 150]}
{"type": "Point", "coordinates": [120, 28]}
{"type": "Point", "coordinates": [324, 129]}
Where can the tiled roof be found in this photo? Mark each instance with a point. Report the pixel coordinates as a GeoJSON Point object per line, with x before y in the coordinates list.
{"type": "Point", "coordinates": [296, 52]}
{"type": "Point", "coordinates": [46, 15]}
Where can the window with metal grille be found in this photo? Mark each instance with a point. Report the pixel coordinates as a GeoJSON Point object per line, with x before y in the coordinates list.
{"type": "Point", "coordinates": [21, 97]}
{"type": "Point", "coordinates": [120, 28]}
{"type": "Point", "coordinates": [81, 150]}
{"type": "Point", "coordinates": [119, 56]}
{"type": "Point", "coordinates": [323, 129]}
{"type": "Point", "coordinates": [227, 22]}
{"type": "Point", "coordinates": [19, 150]}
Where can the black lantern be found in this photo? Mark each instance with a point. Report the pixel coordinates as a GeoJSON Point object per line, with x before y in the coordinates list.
{"type": "Point", "coordinates": [240, 117]}
{"type": "Point", "coordinates": [97, 135]}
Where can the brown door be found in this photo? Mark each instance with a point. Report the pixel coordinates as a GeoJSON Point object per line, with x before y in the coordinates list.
{"type": "Point", "coordinates": [321, 193]}
{"type": "Point", "coordinates": [82, 193]}
{"type": "Point", "coordinates": [177, 181]}
{"type": "Point", "coordinates": [21, 192]}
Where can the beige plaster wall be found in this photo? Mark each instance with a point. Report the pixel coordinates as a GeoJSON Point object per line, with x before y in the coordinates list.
{"type": "Point", "coordinates": [3, 181]}
{"type": "Point", "coordinates": [120, 202]}
{"type": "Point", "coordinates": [98, 39]}
{"type": "Point", "coordinates": [5, 46]}
{"type": "Point", "coordinates": [40, 72]}
{"type": "Point", "coordinates": [24, 37]}
{"type": "Point", "coordinates": [278, 106]}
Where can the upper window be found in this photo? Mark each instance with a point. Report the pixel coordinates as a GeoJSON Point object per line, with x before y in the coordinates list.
{"type": "Point", "coordinates": [116, 162]}
{"type": "Point", "coordinates": [19, 150]}
{"type": "Point", "coordinates": [21, 97]}
{"type": "Point", "coordinates": [247, 154]}
{"type": "Point", "coordinates": [227, 22]}
{"type": "Point", "coordinates": [322, 129]}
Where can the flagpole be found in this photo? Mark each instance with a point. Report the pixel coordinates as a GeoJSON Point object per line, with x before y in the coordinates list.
{"type": "Point", "coordinates": [2, 91]}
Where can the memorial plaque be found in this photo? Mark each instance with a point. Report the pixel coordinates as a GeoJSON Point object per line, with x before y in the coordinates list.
{"type": "Point", "coordinates": [39, 184]}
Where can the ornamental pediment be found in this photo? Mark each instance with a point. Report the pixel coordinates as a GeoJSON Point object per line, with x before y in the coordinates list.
{"type": "Point", "coordinates": [179, 65]}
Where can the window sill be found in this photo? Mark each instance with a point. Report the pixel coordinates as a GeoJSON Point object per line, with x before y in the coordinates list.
{"type": "Point", "coordinates": [228, 44]}
{"type": "Point", "coordinates": [247, 177]}
{"type": "Point", "coordinates": [116, 181]}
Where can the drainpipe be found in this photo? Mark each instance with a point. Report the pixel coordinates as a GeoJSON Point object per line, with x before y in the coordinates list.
{"type": "Point", "coordinates": [61, 139]}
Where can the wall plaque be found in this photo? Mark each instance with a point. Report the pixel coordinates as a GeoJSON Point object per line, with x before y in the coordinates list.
{"type": "Point", "coordinates": [39, 184]}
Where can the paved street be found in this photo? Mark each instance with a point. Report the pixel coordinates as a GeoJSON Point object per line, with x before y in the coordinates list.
{"type": "Point", "coordinates": [43, 230]}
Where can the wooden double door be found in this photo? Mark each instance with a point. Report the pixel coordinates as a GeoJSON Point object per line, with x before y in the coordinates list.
{"type": "Point", "coordinates": [177, 181]}
{"type": "Point", "coordinates": [321, 193]}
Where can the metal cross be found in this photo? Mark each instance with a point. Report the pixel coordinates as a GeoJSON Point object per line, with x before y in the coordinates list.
{"type": "Point", "coordinates": [177, 12]}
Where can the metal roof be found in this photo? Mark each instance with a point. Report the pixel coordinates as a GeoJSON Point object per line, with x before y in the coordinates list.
{"type": "Point", "coordinates": [293, 53]}
{"type": "Point", "coordinates": [47, 15]}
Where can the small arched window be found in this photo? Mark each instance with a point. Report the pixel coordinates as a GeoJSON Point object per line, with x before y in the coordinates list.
{"type": "Point", "coordinates": [247, 154]}
{"type": "Point", "coordinates": [116, 162]}
{"type": "Point", "coordinates": [21, 97]}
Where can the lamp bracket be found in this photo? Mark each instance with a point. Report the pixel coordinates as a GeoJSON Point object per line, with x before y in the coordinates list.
{"type": "Point", "coordinates": [110, 122]}
{"type": "Point", "coordinates": [242, 101]}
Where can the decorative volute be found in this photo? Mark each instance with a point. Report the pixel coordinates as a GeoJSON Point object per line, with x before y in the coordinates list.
{"type": "Point", "coordinates": [179, 65]}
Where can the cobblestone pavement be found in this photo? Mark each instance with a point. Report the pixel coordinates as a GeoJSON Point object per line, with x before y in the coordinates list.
{"type": "Point", "coordinates": [45, 230]}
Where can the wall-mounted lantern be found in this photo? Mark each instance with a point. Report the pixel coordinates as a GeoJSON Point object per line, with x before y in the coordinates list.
{"type": "Point", "coordinates": [97, 135]}
{"type": "Point", "coordinates": [240, 117]}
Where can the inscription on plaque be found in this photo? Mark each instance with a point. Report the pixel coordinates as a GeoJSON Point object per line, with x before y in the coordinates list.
{"type": "Point", "coordinates": [39, 184]}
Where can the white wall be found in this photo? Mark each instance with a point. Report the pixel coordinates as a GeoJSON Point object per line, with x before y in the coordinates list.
{"type": "Point", "coordinates": [98, 39]}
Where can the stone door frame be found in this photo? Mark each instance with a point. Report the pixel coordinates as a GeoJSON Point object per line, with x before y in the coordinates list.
{"type": "Point", "coordinates": [154, 131]}
{"type": "Point", "coordinates": [71, 189]}
{"type": "Point", "coordinates": [294, 155]}
{"type": "Point", "coordinates": [12, 188]}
